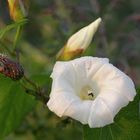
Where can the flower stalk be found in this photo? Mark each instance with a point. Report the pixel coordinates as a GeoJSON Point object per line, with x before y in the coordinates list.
{"type": "Point", "coordinates": [17, 36]}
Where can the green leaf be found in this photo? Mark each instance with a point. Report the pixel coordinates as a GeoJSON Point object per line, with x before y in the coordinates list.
{"type": "Point", "coordinates": [14, 105]}
{"type": "Point", "coordinates": [125, 127]}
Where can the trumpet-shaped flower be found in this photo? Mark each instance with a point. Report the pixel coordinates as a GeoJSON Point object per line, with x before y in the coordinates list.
{"type": "Point", "coordinates": [79, 41]}
{"type": "Point", "coordinates": [90, 90]}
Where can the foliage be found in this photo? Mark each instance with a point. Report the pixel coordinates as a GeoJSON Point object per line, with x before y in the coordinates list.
{"type": "Point", "coordinates": [14, 105]}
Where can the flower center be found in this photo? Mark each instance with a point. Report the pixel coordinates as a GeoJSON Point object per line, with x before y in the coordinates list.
{"type": "Point", "coordinates": [87, 93]}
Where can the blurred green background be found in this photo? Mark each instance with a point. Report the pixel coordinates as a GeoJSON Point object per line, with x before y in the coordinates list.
{"type": "Point", "coordinates": [50, 24]}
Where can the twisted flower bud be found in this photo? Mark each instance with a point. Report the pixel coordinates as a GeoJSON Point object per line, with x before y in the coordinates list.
{"type": "Point", "coordinates": [18, 9]}
{"type": "Point", "coordinates": [79, 42]}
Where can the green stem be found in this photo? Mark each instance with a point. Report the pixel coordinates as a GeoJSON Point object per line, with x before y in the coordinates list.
{"type": "Point", "coordinates": [31, 83]}
{"type": "Point", "coordinates": [37, 94]}
{"type": "Point", "coordinates": [17, 36]}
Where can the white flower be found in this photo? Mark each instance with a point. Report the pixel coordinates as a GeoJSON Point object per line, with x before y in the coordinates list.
{"type": "Point", "coordinates": [79, 41]}
{"type": "Point", "coordinates": [90, 90]}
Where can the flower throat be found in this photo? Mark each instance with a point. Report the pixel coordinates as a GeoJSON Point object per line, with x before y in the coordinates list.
{"type": "Point", "coordinates": [87, 93]}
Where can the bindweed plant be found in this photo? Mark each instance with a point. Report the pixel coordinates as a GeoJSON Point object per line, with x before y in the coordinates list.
{"type": "Point", "coordinates": [86, 89]}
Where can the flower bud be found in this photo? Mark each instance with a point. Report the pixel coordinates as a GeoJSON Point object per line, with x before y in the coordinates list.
{"type": "Point", "coordinates": [10, 68]}
{"type": "Point", "coordinates": [79, 42]}
{"type": "Point", "coordinates": [17, 9]}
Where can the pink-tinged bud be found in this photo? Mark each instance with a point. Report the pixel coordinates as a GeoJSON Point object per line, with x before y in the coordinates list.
{"type": "Point", "coordinates": [18, 9]}
{"type": "Point", "coordinates": [10, 68]}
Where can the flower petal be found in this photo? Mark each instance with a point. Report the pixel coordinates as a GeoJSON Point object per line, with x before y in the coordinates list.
{"type": "Point", "coordinates": [111, 77]}
{"type": "Point", "coordinates": [63, 78]}
{"type": "Point", "coordinates": [100, 114]}
{"type": "Point", "coordinates": [59, 102]}
{"type": "Point", "coordinates": [113, 100]}
{"type": "Point", "coordinates": [79, 110]}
